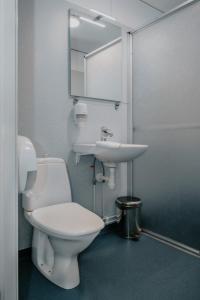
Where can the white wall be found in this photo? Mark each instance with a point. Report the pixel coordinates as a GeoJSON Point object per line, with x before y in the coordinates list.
{"type": "Point", "coordinates": [45, 110]}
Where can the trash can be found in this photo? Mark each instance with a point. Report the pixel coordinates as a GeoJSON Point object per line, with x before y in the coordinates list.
{"type": "Point", "coordinates": [130, 222]}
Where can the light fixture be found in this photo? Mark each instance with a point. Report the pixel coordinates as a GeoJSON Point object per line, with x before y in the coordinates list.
{"type": "Point", "coordinates": [74, 22]}
{"type": "Point", "coordinates": [93, 22]}
{"type": "Point", "coordinates": [102, 14]}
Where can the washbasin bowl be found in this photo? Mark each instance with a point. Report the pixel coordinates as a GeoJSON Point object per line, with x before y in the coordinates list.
{"type": "Point", "coordinates": [114, 152]}
{"type": "Point", "coordinates": [111, 152]}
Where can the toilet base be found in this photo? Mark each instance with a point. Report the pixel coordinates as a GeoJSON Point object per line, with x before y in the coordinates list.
{"type": "Point", "coordinates": [65, 274]}
{"type": "Point", "coordinates": [57, 259]}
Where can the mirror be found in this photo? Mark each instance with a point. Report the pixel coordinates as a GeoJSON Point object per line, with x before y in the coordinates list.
{"type": "Point", "coordinates": [95, 57]}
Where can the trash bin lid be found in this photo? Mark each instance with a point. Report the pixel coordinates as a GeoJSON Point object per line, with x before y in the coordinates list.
{"type": "Point", "coordinates": [128, 202]}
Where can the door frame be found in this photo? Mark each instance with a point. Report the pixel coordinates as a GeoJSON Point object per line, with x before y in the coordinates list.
{"type": "Point", "coordinates": [8, 160]}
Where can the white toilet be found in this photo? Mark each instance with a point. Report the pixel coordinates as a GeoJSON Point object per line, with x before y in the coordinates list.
{"type": "Point", "coordinates": [62, 228]}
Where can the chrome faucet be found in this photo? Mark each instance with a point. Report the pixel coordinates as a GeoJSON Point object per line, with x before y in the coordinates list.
{"type": "Point", "coordinates": [105, 133]}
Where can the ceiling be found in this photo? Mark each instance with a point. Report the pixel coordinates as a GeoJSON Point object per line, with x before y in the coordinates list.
{"type": "Point", "coordinates": [164, 5]}
{"type": "Point", "coordinates": [88, 37]}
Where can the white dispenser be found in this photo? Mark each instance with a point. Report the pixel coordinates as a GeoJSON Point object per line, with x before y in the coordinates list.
{"type": "Point", "coordinates": [80, 114]}
{"type": "Point", "coordinates": [27, 163]}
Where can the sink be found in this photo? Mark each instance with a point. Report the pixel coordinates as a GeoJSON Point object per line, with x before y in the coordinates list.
{"type": "Point", "coordinates": [110, 152]}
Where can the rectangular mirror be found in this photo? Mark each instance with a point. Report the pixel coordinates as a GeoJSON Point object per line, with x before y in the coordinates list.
{"type": "Point", "coordinates": [95, 57]}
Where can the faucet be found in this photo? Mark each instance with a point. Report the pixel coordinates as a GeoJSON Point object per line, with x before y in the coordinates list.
{"type": "Point", "coordinates": [105, 133]}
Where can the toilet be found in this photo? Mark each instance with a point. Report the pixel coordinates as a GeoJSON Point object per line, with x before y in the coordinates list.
{"type": "Point", "coordinates": [61, 228]}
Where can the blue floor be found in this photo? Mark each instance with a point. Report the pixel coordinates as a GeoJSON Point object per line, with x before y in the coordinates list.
{"type": "Point", "coordinates": [116, 269]}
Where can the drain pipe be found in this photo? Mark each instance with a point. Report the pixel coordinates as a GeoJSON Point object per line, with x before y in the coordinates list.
{"type": "Point", "coordinates": [100, 177]}
{"type": "Point", "coordinates": [94, 197]}
{"type": "Point", "coordinates": [111, 179]}
{"type": "Point", "coordinates": [94, 182]}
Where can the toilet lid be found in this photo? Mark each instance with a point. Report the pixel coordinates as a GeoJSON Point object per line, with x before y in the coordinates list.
{"type": "Point", "coordinates": [68, 219]}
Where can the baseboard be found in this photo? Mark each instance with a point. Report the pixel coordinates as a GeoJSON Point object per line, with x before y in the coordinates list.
{"type": "Point", "coordinates": [111, 219]}
{"type": "Point", "coordinates": [172, 243]}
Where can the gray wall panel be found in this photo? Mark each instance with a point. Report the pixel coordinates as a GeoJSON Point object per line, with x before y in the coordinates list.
{"type": "Point", "coordinates": [167, 117]}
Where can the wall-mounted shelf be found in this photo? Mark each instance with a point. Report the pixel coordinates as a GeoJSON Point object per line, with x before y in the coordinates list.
{"type": "Point", "coordinates": [79, 98]}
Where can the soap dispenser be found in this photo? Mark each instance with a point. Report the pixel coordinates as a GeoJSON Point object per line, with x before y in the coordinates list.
{"type": "Point", "coordinates": [80, 114]}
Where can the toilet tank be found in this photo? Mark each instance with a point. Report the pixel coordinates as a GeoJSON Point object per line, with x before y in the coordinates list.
{"type": "Point", "coordinates": [51, 187]}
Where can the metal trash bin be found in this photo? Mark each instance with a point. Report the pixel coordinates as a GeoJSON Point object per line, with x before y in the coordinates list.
{"type": "Point", "coordinates": [130, 222]}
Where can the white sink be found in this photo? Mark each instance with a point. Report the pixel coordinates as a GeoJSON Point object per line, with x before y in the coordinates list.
{"type": "Point", "coordinates": [111, 152]}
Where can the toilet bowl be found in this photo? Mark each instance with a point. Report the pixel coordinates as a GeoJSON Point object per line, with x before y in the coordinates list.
{"type": "Point", "coordinates": [61, 228]}
{"type": "Point", "coordinates": [61, 232]}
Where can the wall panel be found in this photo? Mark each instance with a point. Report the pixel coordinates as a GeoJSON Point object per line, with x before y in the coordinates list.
{"type": "Point", "coordinates": [167, 117]}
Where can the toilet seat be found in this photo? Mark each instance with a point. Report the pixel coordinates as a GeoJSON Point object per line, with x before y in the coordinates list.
{"type": "Point", "coordinates": [65, 220]}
